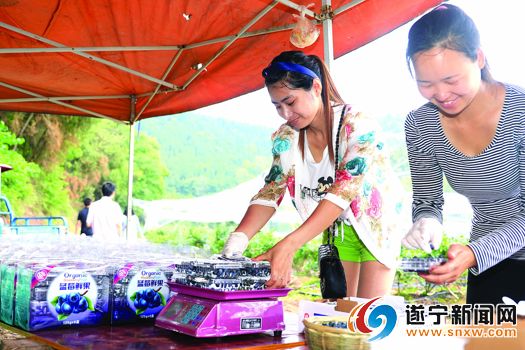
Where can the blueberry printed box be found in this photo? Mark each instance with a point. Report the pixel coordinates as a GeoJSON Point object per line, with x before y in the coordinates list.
{"type": "Point", "coordinates": [7, 291]}
{"type": "Point", "coordinates": [8, 280]}
{"type": "Point", "coordinates": [49, 296]}
{"type": "Point", "coordinates": [139, 292]}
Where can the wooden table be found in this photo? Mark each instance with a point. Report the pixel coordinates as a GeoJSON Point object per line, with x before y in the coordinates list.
{"type": "Point", "coordinates": [150, 337]}
{"type": "Point", "coordinates": [141, 337]}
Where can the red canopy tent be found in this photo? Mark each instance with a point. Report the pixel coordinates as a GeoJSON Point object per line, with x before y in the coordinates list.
{"type": "Point", "coordinates": [133, 59]}
{"type": "Point", "coordinates": [106, 58]}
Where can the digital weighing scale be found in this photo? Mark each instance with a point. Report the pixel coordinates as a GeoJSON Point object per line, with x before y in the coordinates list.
{"type": "Point", "coordinates": [202, 312]}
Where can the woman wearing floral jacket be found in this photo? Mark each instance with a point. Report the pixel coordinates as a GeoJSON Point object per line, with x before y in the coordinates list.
{"type": "Point", "coordinates": [355, 189]}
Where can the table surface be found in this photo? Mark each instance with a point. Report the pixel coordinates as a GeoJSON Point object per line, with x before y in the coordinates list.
{"type": "Point", "coordinates": [136, 336]}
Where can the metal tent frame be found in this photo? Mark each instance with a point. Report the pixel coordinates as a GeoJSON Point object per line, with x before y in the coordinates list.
{"type": "Point", "coordinates": [174, 85]}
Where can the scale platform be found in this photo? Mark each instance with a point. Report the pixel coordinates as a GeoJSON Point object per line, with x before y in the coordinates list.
{"type": "Point", "coordinates": [202, 312]}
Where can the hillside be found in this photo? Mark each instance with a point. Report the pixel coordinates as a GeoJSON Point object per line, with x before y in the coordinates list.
{"type": "Point", "coordinates": [205, 155]}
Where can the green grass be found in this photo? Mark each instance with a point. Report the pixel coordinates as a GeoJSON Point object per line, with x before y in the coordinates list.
{"type": "Point", "coordinates": [210, 238]}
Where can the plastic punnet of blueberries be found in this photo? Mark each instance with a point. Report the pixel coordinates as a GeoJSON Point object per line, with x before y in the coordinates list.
{"type": "Point", "coordinates": [416, 260]}
{"type": "Point", "coordinates": [420, 264]}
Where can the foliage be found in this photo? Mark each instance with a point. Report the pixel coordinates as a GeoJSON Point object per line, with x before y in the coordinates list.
{"type": "Point", "coordinates": [55, 165]}
{"type": "Point", "coordinates": [17, 183]}
{"type": "Point", "coordinates": [51, 186]}
{"type": "Point", "coordinates": [44, 134]}
{"type": "Point", "coordinates": [107, 146]}
{"type": "Point", "coordinates": [59, 160]}
{"type": "Point", "coordinates": [192, 143]}
{"type": "Point", "coordinates": [211, 238]}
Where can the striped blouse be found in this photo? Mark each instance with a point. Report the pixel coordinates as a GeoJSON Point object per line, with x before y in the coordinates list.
{"type": "Point", "coordinates": [493, 181]}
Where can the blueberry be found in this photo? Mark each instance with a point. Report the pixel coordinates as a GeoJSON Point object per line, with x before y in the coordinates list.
{"type": "Point", "coordinates": [58, 308]}
{"type": "Point", "coordinates": [82, 305]}
{"type": "Point", "coordinates": [66, 309]}
{"type": "Point", "coordinates": [150, 294]}
{"type": "Point", "coordinates": [155, 302]}
{"type": "Point", "coordinates": [73, 298]}
{"type": "Point", "coordinates": [136, 303]}
{"type": "Point", "coordinates": [143, 303]}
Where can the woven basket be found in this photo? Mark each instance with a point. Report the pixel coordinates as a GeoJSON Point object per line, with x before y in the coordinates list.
{"type": "Point", "coordinates": [319, 337]}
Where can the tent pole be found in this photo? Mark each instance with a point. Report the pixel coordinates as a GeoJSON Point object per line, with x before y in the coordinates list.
{"type": "Point", "coordinates": [130, 165]}
{"type": "Point", "coordinates": [328, 40]}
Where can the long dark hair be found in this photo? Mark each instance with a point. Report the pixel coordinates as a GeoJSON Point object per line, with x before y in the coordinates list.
{"type": "Point", "coordinates": [448, 27]}
{"type": "Point", "coordinates": [296, 80]}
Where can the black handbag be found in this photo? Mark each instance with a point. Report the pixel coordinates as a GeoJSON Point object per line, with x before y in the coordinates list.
{"type": "Point", "coordinates": [331, 272]}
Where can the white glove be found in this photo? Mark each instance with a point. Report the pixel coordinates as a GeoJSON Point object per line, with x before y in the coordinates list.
{"type": "Point", "coordinates": [235, 245]}
{"type": "Point", "coordinates": [426, 234]}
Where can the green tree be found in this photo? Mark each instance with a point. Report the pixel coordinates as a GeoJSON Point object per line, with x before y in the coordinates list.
{"type": "Point", "coordinates": [58, 160]}
{"type": "Point", "coordinates": [103, 154]}
{"type": "Point", "coordinates": [206, 155]}
{"type": "Point", "coordinates": [17, 184]}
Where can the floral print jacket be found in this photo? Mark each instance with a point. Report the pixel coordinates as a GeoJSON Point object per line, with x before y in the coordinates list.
{"type": "Point", "coordinates": [365, 187]}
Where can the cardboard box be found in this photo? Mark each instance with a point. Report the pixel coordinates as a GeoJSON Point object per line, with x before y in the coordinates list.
{"type": "Point", "coordinates": [347, 304]}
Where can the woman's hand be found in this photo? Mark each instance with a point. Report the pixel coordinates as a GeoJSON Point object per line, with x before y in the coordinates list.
{"type": "Point", "coordinates": [426, 234]}
{"type": "Point", "coordinates": [280, 257]}
{"type": "Point", "coordinates": [460, 258]}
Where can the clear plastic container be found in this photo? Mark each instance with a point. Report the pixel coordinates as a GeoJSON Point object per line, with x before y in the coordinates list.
{"type": "Point", "coordinates": [422, 265]}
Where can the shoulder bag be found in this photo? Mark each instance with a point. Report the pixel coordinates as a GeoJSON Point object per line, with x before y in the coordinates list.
{"type": "Point", "coordinates": [331, 272]}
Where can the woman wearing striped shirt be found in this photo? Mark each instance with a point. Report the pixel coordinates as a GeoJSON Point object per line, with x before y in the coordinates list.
{"type": "Point", "coordinates": [473, 131]}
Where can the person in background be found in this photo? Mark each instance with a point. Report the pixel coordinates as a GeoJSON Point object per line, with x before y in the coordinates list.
{"type": "Point", "coordinates": [472, 130]}
{"type": "Point", "coordinates": [333, 162]}
{"type": "Point", "coordinates": [105, 215]}
{"type": "Point", "coordinates": [82, 227]}
{"type": "Point", "coordinates": [135, 230]}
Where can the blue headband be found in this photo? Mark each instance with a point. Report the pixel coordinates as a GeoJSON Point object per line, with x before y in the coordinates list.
{"type": "Point", "coordinates": [290, 67]}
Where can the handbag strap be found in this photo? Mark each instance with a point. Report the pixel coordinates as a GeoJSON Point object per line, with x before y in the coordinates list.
{"type": "Point", "coordinates": [333, 227]}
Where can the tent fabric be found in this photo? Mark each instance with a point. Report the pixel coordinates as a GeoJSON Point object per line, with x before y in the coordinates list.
{"type": "Point", "coordinates": [135, 59]}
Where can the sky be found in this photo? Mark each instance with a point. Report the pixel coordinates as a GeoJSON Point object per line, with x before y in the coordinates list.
{"type": "Point", "coordinates": [376, 78]}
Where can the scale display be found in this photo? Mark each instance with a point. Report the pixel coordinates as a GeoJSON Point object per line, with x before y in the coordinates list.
{"type": "Point", "coordinates": [187, 313]}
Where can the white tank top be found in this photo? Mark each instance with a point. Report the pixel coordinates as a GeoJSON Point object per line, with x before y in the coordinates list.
{"type": "Point", "coordinates": [316, 179]}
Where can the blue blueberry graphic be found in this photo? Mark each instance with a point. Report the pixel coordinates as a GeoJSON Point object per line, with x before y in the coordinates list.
{"type": "Point", "coordinates": [82, 306]}
{"type": "Point", "coordinates": [73, 298]}
{"type": "Point", "coordinates": [143, 303]}
{"type": "Point", "coordinates": [150, 294]}
{"type": "Point", "coordinates": [147, 299]}
{"type": "Point", "coordinates": [71, 303]}
{"type": "Point", "coordinates": [155, 301]}
{"type": "Point", "coordinates": [66, 309]}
